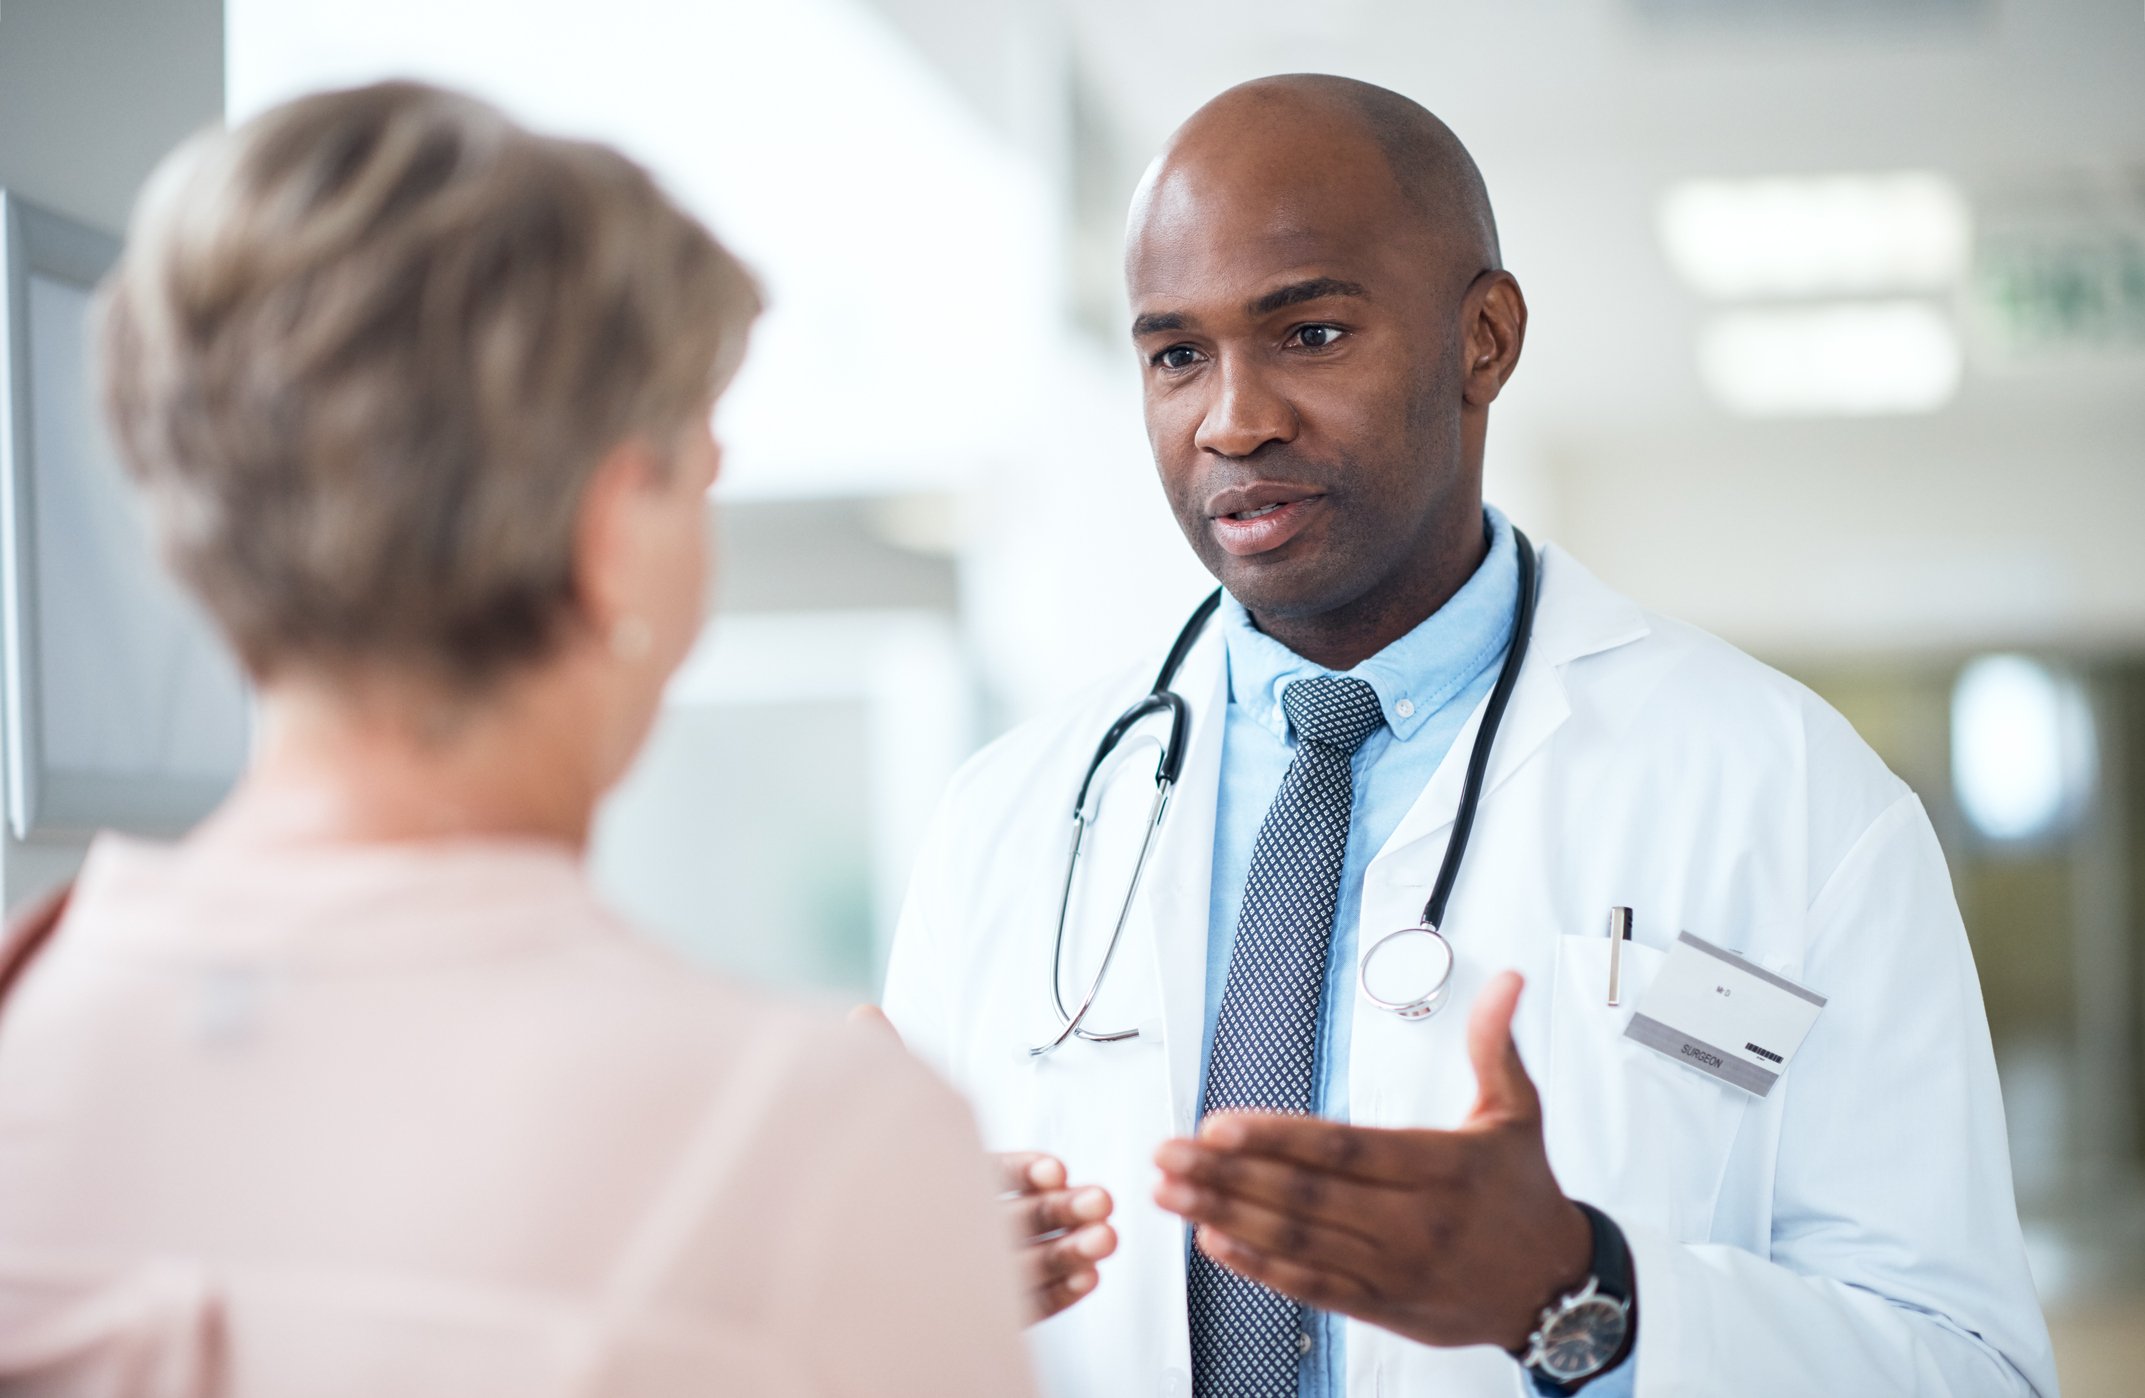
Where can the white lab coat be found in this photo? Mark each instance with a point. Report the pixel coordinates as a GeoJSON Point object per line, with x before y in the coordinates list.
{"type": "Point", "coordinates": [1854, 1233]}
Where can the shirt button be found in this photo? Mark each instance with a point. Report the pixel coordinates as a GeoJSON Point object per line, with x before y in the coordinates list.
{"type": "Point", "coordinates": [1405, 708]}
{"type": "Point", "coordinates": [1303, 1342]}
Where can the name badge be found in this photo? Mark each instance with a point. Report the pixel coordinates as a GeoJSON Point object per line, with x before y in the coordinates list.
{"type": "Point", "coordinates": [1724, 1016]}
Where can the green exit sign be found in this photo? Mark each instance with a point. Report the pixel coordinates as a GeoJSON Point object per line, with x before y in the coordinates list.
{"type": "Point", "coordinates": [2061, 291]}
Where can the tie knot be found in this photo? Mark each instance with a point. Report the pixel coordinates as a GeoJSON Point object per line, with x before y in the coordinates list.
{"type": "Point", "coordinates": [1333, 710]}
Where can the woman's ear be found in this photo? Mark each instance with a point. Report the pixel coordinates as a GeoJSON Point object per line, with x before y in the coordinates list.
{"type": "Point", "coordinates": [1494, 323]}
{"type": "Point", "coordinates": [608, 534]}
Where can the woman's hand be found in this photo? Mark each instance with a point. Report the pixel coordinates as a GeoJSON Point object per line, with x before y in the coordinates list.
{"type": "Point", "coordinates": [1061, 1231]}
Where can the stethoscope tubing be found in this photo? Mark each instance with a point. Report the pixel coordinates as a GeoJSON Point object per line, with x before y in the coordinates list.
{"type": "Point", "coordinates": [1478, 758]}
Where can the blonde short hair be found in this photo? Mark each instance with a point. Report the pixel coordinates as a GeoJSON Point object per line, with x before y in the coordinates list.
{"type": "Point", "coordinates": [364, 353]}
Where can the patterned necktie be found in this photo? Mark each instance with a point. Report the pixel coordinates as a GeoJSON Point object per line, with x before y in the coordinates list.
{"type": "Point", "coordinates": [1244, 1336]}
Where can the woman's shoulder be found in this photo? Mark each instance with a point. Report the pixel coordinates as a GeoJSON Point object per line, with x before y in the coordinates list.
{"type": "Point", "coordinates": [662, 1007]}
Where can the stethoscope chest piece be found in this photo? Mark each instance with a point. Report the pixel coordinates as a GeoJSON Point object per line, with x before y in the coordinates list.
{"type": "Point", "coordinates": [1408, 972]}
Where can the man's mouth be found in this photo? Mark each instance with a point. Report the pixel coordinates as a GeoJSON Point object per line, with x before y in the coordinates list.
{"type": "Point", "coordinates": [1262, 517]}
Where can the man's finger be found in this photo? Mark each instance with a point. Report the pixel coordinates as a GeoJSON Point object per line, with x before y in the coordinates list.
{"type": "Point", "coordinates": [1502, 1087]}
{"type": "Point", "coordinates": [1315, 1287]}
{"type": "Point", "coordinates": [1049, 1211]}
{"type": "Point", "coordinates": [1026, 1171]}
{"type": "Point", "coordinates": [1270, 1231]}
{"type": "Point", "coordinates": [1282, 1185]}
{"type": "Point", "coordinates": [1369, 1153]}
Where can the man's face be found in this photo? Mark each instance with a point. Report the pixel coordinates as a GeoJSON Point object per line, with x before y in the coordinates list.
{"type": "Point", "coordinates": [1300, 342]}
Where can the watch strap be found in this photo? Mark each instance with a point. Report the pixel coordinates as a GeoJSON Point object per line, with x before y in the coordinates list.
{"type": "Point", "coordinates": [1611, 1263]}
{"type": "Point", "coordinates": [1614, 1277]}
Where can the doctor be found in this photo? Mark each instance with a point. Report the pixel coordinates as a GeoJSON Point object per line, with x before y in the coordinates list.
{"type": "Point", "coordinates": [1316, 1194]}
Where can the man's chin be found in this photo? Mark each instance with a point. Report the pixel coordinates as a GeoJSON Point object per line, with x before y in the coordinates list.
{"type": "Point", "coordinates": [1281, 589]}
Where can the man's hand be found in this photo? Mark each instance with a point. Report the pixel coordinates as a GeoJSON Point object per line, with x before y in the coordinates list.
{"type": "Point", "coordinates": [1062, 1232]}
{"type": "Point", "coordinates": [1446, 1237]}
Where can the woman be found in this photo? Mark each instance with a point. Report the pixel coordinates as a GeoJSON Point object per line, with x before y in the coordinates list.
{"type": "Point", "coordinates": [359, 1090]}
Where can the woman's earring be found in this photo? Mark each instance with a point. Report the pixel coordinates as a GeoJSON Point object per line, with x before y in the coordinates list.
{"type": "Point", "coordinates": [631, 639]}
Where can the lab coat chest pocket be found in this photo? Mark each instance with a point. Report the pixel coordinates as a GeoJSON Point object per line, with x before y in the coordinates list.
{"type": "Point", "coordinates": [1628, 1130]}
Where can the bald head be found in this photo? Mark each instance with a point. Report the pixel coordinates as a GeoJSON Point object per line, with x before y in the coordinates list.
{"type": "Point", "coordinates": [1323, 321]}
{"type": "Point", "coordinates": [1321, 118]}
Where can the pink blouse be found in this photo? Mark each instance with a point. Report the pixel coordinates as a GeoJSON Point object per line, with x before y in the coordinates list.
{"type": "Point", "coordinates": [427, 1120]}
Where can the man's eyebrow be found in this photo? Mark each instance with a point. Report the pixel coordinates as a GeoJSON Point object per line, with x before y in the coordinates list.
{"type": "Point", "coordinates": [1296, 293]}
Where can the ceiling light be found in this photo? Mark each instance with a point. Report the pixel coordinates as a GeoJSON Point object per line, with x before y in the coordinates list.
{"type": "Point", "coordinates": [1818, 236]}
{"type": "Point", "coordinates": [2022, 747]}
{"type": "Point", "coordinates": [1843, 360]}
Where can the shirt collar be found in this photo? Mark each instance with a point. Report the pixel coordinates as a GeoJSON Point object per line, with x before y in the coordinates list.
{"type": "Point", "coordinates": [1413, 677]}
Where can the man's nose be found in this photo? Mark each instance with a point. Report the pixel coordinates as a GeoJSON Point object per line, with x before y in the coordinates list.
{"type": "Point", "coordinates": [1245, 413]}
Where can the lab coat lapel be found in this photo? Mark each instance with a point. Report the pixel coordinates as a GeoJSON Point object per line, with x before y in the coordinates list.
{"type": "Point", "coordinates": [1176, 898]}
{"type": "Point", "coordinates": [1574, 616]}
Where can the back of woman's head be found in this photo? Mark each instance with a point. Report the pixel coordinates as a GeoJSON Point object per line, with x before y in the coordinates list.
{"type": "Point", "coordinates": [364, 353]}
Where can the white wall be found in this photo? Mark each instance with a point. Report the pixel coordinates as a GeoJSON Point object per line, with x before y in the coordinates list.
{"type": "Point", "coordinates": [1982, 528]}
{"type": "Point", "coordinates": [904, 247]}
{"type": "Point", "coordinates": [92, 94]}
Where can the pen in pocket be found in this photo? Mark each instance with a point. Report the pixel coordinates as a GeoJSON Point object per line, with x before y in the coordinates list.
{"type": "Point", "coordinates": [1619, 933]}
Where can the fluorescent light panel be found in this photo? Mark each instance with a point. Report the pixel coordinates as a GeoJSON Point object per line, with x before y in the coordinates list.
{"type": "Point", "coordinates": [1829, 235]}
{"type": "Point", "coordinates": [2023, 749]}
{"type": "Point", "coordinates": [1852, 359]}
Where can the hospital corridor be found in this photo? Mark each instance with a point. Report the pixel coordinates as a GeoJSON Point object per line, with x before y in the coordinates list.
{"type": "Point", "coordinates": [869, 697]}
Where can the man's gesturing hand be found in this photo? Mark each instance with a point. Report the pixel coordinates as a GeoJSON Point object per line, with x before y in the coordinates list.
{"type": "Point", "coordinates": [1447, 1237]}
{"type": "Point", "coordinates": [1062, 1232]}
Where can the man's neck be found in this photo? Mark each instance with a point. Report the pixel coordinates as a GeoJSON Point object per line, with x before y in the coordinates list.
{"type": "Point", "coordinates": [1348, 635]}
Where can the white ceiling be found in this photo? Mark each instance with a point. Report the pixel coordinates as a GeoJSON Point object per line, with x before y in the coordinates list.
{"type": "Point", "coordinates": [1580, 114]}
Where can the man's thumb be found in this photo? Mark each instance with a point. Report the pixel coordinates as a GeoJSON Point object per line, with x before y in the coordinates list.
{"type": "Point", "coordinates": [1502, 1087]}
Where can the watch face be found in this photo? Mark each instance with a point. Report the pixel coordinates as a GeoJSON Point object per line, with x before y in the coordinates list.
{"type": "Point", "coordinates": [1582, 1340]}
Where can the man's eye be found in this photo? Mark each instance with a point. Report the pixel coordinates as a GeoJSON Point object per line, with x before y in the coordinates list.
{"type": "Point", "coordinates": [1177, 357]}
{"type": "Point", "coordinates": [1318, 336]}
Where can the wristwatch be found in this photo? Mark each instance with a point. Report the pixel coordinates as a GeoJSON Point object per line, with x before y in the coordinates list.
{"type": "Point", "coordinates": [1590, 1331]}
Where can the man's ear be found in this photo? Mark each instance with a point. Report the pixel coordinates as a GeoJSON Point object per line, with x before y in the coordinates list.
{"type": "Point", "coordinates": [1494, 323]}
{"type": "Point", "coordinates": [607, 533]}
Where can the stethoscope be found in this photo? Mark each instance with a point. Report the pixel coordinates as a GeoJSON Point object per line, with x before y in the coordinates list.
{"type": "Point", "coordinates": [1406, 972]}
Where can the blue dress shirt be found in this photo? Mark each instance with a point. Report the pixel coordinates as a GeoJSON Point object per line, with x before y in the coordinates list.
{"type": "Point", "coordinates": [1428, 682]}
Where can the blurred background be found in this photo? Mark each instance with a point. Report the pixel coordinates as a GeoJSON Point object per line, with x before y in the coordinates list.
{"type": "Point", "coordinates": [1837, 350]}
